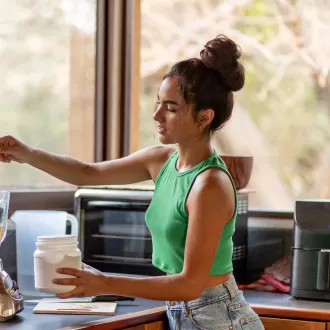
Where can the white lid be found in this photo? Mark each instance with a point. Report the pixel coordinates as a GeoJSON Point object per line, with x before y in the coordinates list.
{"type": "Point", "coordinates": [57, 239]}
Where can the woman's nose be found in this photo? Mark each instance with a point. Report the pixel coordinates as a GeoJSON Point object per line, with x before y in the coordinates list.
{"type": "Point", "coordinates": [157, 115]}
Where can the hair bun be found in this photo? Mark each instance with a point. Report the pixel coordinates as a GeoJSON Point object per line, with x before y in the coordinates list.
{"type": "Point", "coordinates": [222, 54]}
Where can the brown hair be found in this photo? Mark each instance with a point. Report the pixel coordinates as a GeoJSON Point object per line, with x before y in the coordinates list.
{"type": "Point", "coordinates": [209, 82]}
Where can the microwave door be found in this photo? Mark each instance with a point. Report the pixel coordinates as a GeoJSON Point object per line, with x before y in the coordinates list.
{"type": "Point", "coordinates": [116, 233]}
{"type": "Point", "coordinates": [121, 218]}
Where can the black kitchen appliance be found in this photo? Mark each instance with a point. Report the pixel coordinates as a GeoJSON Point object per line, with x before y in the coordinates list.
{"type": "Point", "coordinates": [310, 272]}
{"type": "Point", "coordinates": [114, 238]}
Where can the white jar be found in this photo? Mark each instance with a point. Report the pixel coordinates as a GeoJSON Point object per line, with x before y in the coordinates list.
{"type": "Point", "coordinates": [55, 252]}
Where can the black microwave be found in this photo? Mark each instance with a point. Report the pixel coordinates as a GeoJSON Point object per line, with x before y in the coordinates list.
{"type": "Point", "coordinates": [114, 238]}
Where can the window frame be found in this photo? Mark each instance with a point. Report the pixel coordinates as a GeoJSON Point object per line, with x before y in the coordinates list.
{"type": "Point", "coordinates": [112, 121]}
{"type": "Point", "coordinates": [117, 93]}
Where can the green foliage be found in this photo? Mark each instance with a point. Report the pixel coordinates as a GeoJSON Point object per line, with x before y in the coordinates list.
{"type": "Point", "coordinates": [35, 94]}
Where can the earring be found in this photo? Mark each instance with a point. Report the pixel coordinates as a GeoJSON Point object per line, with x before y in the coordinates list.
{"type": "Point", "coordinates": [201, 128]}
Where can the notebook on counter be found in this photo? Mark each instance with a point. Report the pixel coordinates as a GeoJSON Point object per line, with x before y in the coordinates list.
{"type": "Point", "coordinates": [79, 308]}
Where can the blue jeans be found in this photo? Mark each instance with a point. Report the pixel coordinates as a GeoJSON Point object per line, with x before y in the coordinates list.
{"type": "Point", "coordinates": [219, 307]}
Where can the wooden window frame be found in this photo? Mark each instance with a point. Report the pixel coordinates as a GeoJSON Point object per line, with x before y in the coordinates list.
{"type": "Point", "coordinates": [116, 118]}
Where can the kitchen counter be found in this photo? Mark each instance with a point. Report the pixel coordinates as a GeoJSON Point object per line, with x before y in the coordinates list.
{"type": "Point", "coordinates": [282, 305]}
{"type": "Point", "coordinates": [140, 311]}
{"type": "Point", "coordinates": [26, 320]}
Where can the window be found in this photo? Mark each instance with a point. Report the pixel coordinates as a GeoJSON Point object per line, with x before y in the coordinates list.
{"type": "Point", "coordinates": [47, 51]}
{"type": "Point", "coordinates": [282, 116]}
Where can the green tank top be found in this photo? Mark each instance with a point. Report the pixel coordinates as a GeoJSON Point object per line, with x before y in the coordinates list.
{"type": "Point", "coordinates": [167, 218]}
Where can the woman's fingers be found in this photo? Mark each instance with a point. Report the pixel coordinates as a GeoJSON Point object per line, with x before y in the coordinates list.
{"type": "Point", "coordinates": [4, 158]}
{"type": "Point", "coordinates": [67, 281]}
{"type": "Point", "coordinates": [69, 271]}
{"type": "Point", "coordinates": [77, 292]}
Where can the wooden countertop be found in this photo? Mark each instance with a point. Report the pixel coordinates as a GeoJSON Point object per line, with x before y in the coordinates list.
{"type": "Point", "coordinates": [122, 321]}
{"type": "Point", "coordinates": [266, 304]}
{"type": "Point", "coordinates": [129, 314]}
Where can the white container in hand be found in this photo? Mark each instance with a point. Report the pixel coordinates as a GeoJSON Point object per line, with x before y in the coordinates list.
{"type": "Point", "coordinates": [30, 224]}
{"type": "Point", "coordinates": [54, 252]}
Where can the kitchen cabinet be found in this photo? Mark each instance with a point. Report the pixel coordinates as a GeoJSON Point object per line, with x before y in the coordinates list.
{"type": "Point", "coordinates": [268, 322]}
{"type": "Point", "coordinates": [160, 325]}
{"type": "Point", "coordinates": [290, 324]}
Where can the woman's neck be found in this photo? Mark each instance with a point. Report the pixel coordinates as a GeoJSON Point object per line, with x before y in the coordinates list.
{"type": "Point", "coordinates": [190, 156]}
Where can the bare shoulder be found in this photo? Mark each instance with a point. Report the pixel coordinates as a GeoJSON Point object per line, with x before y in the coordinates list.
{"type": "Point", "coordinates": [213, 186]}
{"type": "Point", "coordinates": [141, 165]}
{"type": "Point", "coordinates": [159, 153]}
{"type": "Point", "coordinates": [156, 158]}
{"type": "Point", "coordinates": [214, 178]}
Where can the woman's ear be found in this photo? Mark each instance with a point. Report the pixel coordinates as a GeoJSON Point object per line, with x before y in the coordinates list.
{"type": "Point", "coordinates": [205, 117]}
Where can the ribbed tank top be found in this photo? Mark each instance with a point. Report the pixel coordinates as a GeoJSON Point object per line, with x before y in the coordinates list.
{"type": "Point", "coordinates": [167, 218]}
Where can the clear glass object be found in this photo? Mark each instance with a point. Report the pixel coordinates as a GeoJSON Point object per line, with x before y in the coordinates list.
{"type": "Point", "coordinates": [4, 205]}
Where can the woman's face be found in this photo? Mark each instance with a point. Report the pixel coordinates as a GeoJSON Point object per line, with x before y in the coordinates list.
{"type": "Point", "coordinates": [174, 117]}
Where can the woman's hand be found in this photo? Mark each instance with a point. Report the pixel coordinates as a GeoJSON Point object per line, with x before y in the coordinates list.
{"type": "Point", "coordinates": [88, 282]}
{"type": "Point", "coordinates": [13, 150]}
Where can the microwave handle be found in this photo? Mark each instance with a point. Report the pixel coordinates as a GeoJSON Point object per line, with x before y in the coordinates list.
{"type": "Point", "coordinates": [113, 204]}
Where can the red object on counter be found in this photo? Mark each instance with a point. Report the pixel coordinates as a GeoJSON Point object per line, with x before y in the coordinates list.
{"type": "Point", "coordinates": [275, 283]}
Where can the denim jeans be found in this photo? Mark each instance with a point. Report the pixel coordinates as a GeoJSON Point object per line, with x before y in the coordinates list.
{"type": "Point", "coordinates": [220, 307]}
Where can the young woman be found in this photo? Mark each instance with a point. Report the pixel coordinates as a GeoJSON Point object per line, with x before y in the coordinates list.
{"type": "Point", "coordinates": [193, 211]}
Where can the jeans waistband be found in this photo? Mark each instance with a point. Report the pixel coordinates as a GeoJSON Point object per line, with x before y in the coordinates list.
{"type": "Point", "coordinates": [227, 289]}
